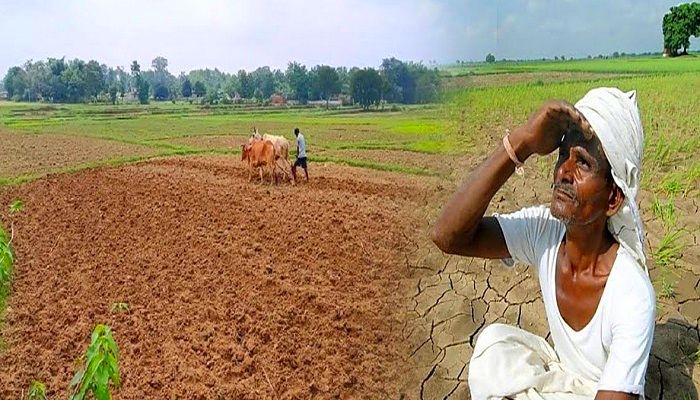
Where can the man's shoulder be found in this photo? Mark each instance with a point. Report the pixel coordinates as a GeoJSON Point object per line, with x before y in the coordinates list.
{"type": "Point", "coordinates": [541, 214]}
{"type": "Point", "coordinates": [541, 211]}
{"type": "Point", "coordinates": [531, 227]}
{"type": "Point", "coordinates": [633, 281]}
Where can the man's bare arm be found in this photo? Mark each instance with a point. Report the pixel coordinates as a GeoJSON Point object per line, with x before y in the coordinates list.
{"type": "Point", "coordinates": [462, 228]}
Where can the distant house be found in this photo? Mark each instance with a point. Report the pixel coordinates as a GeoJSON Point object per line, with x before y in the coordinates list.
{"type": "Point", "coordinates": [3, 95]}
{"type": "Point", "coordinates": [278, 100]}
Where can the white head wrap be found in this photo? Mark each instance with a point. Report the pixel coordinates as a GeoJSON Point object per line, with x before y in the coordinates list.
{"type": "Point", "coordinates": [615, 119]}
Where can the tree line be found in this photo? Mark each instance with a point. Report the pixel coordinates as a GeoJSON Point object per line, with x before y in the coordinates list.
{"type": "Point", "coordinates": [72, 81]}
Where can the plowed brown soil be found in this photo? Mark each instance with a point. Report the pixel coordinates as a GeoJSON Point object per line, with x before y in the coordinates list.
{"type": "Point", "coordinates": [235, 289]}
{"type": "Point", "coordinates": [40, 154]}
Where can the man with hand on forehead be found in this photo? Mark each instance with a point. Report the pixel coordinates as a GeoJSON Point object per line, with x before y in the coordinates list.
{"type": "Point", "coordinates": [586, 246]}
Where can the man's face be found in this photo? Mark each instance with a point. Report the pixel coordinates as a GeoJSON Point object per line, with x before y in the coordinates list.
{"type": "Point", "coordinates": [582, 180]}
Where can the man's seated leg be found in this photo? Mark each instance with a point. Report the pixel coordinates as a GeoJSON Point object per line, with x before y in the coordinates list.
{"type": "Point", "coordinates": [510, 362]}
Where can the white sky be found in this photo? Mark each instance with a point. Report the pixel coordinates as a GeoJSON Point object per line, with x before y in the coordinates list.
{"type": "Point", "coordinates": [245, 34]}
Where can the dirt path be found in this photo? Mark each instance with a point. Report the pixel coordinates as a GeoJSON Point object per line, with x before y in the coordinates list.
{"type": "Point", "coordinates": [235, 290]}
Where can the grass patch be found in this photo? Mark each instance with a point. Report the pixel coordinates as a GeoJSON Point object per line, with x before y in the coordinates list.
{"type": "Point", "coordinates": [7, 259]}
{"type": "Point", "coordinates": [664, 210]}
{"type": "Point", "coordinates": [648, 64]}
{"type": "Point", "coordinates": [669, 249]}
{"type": "Point", "coordinates": [352, 162]}
{"type": "Point", "coordinates": [16, 206]}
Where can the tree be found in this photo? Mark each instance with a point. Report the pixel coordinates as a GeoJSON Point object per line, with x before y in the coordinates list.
{"type": "Point", "coordinates": [490, 58]}
{"type": "Point", "coordinates": [427, 82]}
{"type": "Point", "coordinates": [136, 75]}
{"type": "Point", "coordinates": [15, 82]}
{"type": "Point", "coordinates": [161, 78]}
{"type": "Point", "coordinates": [246, 88]}
{"type": "Point", "coordinates": [298, 81]}
{"type": "Point", "coordinates": [402, 85]}
{"type": "Point", "coordinates": [326, 82]}
{"type": "Point", "coordinates": [142, 85]}
{"type": "Point", "coordinates": [160, 64]}
{"type": "Point", "coordinates": [264, 82]}
{"type": "Point", "coordinates": [161, 92]}
{"type": "Point", "coordinates": [365, 87]}
{"type": "Point", "coordinates": [37, 77]}
{"type": "Point", "coordinates": [94, 79]}
{"type": "Point", "coordinates": [678, 25]}
{"type": "Point", "coordinates": [231, 87]}
{"type": "Point", "coordinates": [124, 82]}
{"type": "Point", "coordinates": [113, 94]}
{"type": "Point", "coordinates": [142, 88]}
{"type": "Point", "coordinates": [343, 79]}
{"type": "Point", "coordinates": [73, 78]}
{"type": "Point", "coordinates": [199, 89]}
{"type": "Point", "coordinates": [280, 82]}
{"type": "Point", "coordinates": [56, 86]}
{"type": "Point", "coordinates": [186, 88]}
{"type": "Point", "coordinates": [173, 88]}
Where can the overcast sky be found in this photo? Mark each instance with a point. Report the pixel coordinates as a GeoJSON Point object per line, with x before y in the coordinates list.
{"type": "Point", "coordinates": [245, 34]}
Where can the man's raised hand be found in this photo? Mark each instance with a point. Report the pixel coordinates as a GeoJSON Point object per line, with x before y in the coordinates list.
{"type": "Point", "coordinates": [544, 130]}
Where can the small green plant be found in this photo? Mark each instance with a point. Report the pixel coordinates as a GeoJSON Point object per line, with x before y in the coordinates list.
{"type": "Point", "coordinates": [672, 186]}
{"type": "Point", "coordinates": [695, 357]}
{"type": "Point", "coordinates": [120, 307]}
{"type": "Point", "coordinates": [661, 153]}
{"type": "Point", "coordinates": [667, 287]}
{"type": "Point", "coordinates": [669, 249]}
{"type": "Point", "coordinates": [37, 391]}
{"type": "Point", "coordinates": [16, 206]}
{"type": "Point", "coordinates": [6, 258]}
{"type": "Point", "coordinates": [664, 210]}
{"type": "Point", "coordinates": [101, 366]}
{"type": "Point", "coordinates": [545, 165]}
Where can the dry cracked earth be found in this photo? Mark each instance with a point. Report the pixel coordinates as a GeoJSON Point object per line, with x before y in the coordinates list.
{"type": "Point", "coordinates": [453, 298]}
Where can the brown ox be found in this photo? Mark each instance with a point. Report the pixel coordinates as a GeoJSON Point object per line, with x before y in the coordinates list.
{"type": "Point", "coordinates": [281, 145]}
{"type": "Point", "coordinates": [261, 155]}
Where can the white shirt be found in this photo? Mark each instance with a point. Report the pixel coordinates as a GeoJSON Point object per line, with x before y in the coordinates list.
{"type": "Point", "coordinates": [301, 146]}
{"type": "Point", "coordinates": [613, 349]}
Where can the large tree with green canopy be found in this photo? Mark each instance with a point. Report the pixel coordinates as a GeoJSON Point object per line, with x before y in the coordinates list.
{"type": "Point", "coordinates": [679, 24]}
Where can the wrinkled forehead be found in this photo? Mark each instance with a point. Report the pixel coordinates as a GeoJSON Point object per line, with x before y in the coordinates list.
{"type": "Point", "coordinates": [575, 137]}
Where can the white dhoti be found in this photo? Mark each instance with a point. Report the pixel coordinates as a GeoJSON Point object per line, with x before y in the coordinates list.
{"type": "Point", "coordinates": [513, 363]}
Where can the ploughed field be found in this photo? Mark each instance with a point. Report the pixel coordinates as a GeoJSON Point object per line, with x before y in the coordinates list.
{"type": "Point", "coordinates": [234, 289]}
